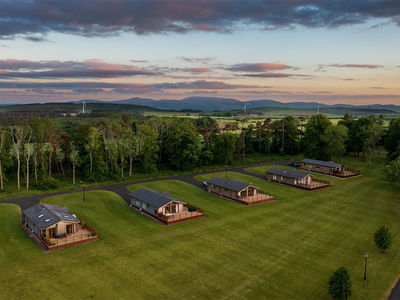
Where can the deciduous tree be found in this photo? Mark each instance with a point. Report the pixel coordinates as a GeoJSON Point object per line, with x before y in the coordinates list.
{"type": "Point", "coordinates": [183, 145]}
{"type": "Point", "coordinates": [383, 238]}
{"type": "Point", "coordinates": [315, 144]}
{"type": "Point", "coordinates": [339, 284]}
{"type": "Point", "coordinates": [18, 134]}
{"type": "Point", "coordinates": [335, 137]}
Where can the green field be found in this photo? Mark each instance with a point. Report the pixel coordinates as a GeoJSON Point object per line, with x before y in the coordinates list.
{"type": "Point", "coordinates": [285, 249]}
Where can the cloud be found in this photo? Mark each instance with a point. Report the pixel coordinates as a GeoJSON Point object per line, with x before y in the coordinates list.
{"type": "Point", "coordinates": [198, 70]}
{"type": "Point", "coordinates": [107, 86]}
{"type": "Point", "coordinates": [276, 75]}
{"type": "Point", "coordinates": [139, 61]}
{"type": "Point", "coordinates": [204, 60]}
{"type": "Point", "coordinates": [105, 17]}
{"type": "Point", "coordinates": [258, 67]}
{"type": "Point", "coordinates": [13, 68]}
{"type": "Point", "coordinates": [36, 39]}
{"type": "Point", "coordinates": [268, 75]}
{"type": "Point", "coordinates": [362, 66]}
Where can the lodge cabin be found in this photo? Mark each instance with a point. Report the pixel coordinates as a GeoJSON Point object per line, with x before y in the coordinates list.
{"type": "Point", "coordinates": [295, 178]}
{"type": "Point", "coordinates": [237, 190]}
{"type": "Point", "coordinates": [163, 207]}
{"type": "Point", "coordinates": [328, 168]}
{"type": "Point", "coordinates": [55, 227]}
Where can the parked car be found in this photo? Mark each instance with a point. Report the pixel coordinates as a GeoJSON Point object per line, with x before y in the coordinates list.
{"type": "Point", "coordinates": [294, 164]}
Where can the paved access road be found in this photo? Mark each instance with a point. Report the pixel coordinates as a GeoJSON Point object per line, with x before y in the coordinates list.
{"type": "Point", "coordinates": [121, 188]}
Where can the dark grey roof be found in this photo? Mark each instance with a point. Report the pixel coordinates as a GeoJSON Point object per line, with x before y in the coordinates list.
{"type": "Point", "coordinates": [153, 198]}
{"type": "Point", "coordinates": [330, 164]}
{"type": "Point", "coordinates": [233, 185]}
{"type": "Point", "coordinates": [286, 173]}
{"type": "Point", "coordinates": [46, 215]}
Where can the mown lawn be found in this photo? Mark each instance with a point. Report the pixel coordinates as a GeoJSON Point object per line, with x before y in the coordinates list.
{"type": "Point", "coordinates": [284, 249]}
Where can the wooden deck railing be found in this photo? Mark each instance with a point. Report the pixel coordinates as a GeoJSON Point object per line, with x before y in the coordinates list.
{"type": "Point", "coordinates": [320, 181]}
{"type": "Point", "coordinates": [258, 197]}
{"type": "Point", "coordinates": [91, 233]}
{"type": "Point", "coordinates": [354, 171]}
{"type": "Point", "coordinates": [180, 216]}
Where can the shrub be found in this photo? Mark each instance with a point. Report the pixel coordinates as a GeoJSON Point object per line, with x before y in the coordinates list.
{"type": "Point", "coordinates": [49, 184]}
{"type": "Point", "coordinates": [339, 285]}
{"type": "Point", "coordinates": [383, 238]}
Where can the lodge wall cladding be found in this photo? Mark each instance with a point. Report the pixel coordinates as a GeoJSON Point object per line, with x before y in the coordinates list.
{"type": "Point", "coordinates": [222, 191]}
{"type": "Point", "coordinates": [317, 168]}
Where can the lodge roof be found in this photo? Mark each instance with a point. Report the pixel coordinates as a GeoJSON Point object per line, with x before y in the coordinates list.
{"type": "Point", "coordinates": [46, 215]}
{"type": "Point", "coordinates": [329, 164]}
{"type": "Point", "coordinates": [153, 198]}
{"type": "Point", "coordinates": [233, 185]}
{"type": "Point", "coordinates": [287, 173]}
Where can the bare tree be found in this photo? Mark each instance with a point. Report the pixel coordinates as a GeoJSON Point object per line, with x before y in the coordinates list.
{"type": "Point", "coordinates": [2, 146]}
{"type": "Point", "coordinates": [28, 149]}
{"type": "Point", "coordinates": [18, 134]}
{"type": "Point", "coordinates": [74, 156]}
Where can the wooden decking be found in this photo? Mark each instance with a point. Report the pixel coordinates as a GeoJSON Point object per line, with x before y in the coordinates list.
{"type": "Point", "coordinates": [315, 184]}
{"type": "Point", "coordinates": [82, 236]}
{"type": "Point", "coordinates": [345, 174]}
{"type": "Point", "coordinates": [249, 200]}
{"type": "Point", "coordinates": [185, 215]}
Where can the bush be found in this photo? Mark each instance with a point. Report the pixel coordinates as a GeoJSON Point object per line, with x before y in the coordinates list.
{"type": "Point", "coordinates": [339, 285]}
{"type": "Point", "coordinates": [49, 184]}
{"type": "Point", "coordinates": [392, 171]}
{"type": "Point", "coordinates": [383, 238]}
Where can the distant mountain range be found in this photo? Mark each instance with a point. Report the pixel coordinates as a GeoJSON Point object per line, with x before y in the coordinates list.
{"type": "Point", "coordinates": [210, 104]}
{"type": "Point", "coordinates": [207, 104]}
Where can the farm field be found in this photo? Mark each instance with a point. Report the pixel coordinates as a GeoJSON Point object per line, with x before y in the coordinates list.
{"type": "Point", "coordinates": [285, 249]}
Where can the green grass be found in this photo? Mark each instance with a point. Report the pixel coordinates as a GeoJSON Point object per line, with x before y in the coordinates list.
{"type": "Point", "coordinates": [285, 249]}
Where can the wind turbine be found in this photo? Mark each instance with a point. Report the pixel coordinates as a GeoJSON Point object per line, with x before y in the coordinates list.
{"type": "Point", "coordinates": [84, 107]}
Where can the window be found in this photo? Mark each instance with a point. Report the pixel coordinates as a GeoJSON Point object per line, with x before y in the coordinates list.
{"type": "Point", "coordinates": [274, 177]}
{"type": "Point", "coordinates": [137, 203]}
{"type": "Point", "coordinates": [144, 205]}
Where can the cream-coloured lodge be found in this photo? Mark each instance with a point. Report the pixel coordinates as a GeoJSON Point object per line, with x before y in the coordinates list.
{"type": "Point", "coordinates": [55, 226]}
{"type": "Point", "coordinates": [237, 190]}
{"type": "Point", "coordinates": [163, 206]}
{"type": "Point", "coordinates": [295, 178]}
{"type": "Point", "coordinates": [328, 168]}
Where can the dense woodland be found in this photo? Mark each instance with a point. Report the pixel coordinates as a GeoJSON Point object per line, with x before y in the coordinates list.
{"type": "Point", "coordinates": [45, 152]}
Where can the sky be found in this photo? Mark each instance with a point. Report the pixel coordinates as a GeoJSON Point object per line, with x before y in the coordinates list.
{"type": "Point", "coordinates": [336, 51]}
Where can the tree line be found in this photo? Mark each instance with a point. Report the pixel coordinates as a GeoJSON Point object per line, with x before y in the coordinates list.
{"type": "Point", "coordinates": [43, 151]}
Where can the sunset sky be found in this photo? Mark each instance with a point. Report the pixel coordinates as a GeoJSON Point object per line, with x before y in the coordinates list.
{"type": "Point", "coordinates": [336, 51]}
